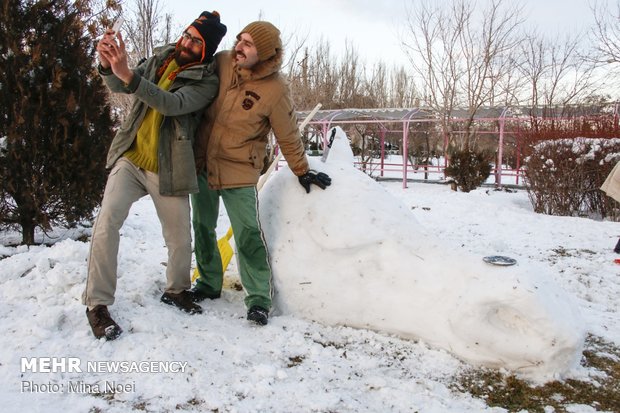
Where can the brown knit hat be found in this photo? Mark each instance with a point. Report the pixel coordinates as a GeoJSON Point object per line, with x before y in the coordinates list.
{"type": "Point", "coordinates": [266, 38]}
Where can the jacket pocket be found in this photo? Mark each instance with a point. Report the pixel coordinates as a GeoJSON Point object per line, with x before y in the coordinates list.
{"type": "Point", "coordinates": [183, 166]}
{"type": "Point", "coordinates": [257, 154]}
{"type": "Point", "coordinates": [187, 125]}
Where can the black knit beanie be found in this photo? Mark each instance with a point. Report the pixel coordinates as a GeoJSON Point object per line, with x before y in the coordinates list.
{"type": "Point", "coordinates": [211, 31]}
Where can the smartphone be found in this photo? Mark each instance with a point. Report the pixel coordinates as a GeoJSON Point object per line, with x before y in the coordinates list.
{"type": "Point", "coordinates": [117, 24]}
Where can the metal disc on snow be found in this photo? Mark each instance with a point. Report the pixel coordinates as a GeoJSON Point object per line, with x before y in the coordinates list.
{"type": "Point", "coordinates": [499, 260]}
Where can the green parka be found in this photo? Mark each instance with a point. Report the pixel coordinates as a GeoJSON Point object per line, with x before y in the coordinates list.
{"type": "Point", "coordinates": [232, 138]}
{"type": "Point", "coordinates": [182, 106]}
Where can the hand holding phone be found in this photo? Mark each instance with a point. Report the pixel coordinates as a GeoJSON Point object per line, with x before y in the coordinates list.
{"type": "Point", "coordinates": [117, 24]}
{"type": "Point", "coordinates": [104, 41]}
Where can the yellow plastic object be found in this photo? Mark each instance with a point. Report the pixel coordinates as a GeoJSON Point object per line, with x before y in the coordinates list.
{"type": "Point", "coordinates": [226, 252]}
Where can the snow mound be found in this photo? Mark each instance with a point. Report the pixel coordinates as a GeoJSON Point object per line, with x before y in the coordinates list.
{"type": "Point", "coordinates": [354, 255]}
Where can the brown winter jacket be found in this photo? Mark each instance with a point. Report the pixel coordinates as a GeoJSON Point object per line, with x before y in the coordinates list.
{"type": "Point", "coordinates": [232, 138]}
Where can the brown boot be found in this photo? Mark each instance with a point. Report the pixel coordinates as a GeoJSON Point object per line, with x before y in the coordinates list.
{"type": "Point", "coordinates": [102, 324]}
{"type": "Point", "coordinates": [183, 301]}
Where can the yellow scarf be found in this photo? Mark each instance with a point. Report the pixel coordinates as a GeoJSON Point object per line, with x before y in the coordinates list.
{"type": "Point", "coordinates": [143, 150]}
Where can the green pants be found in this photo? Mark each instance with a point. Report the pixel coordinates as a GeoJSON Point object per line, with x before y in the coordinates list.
{"type": "Point", "coordinates": [242, 207]}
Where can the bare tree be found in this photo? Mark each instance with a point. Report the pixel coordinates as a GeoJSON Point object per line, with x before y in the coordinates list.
{"type": "Point", "coordinates": [508, 88]}
{"type": "Point", "coordinates": [606, 32]}
{"type": "Point", "coordinates": [460, 58]}
{"type": "Point", "coordinates": [402, 90]}
{"type": "Point", "coordinates": [323, 74]}
{"type": "Point", "coordinates": [375, 86]}
{"type": "Point", "coordinates": [605, 37]}
{"type": "Point", "coordinates": [147, 27]}
{"type": "Point", "coordinates": [317, 75]}
{"type": "Point", "coordinates": [430, 46]}
{"type": "Point", "coordinates": [313, 77]}
{"type": "Point", "coordinates": [349, 76]}
{"type": "Point", "coordinates": [555, 71]}
{"type": "Point", "coordinates": [487, 52]}
{"type": "Point", "coordinates": [294, 52]}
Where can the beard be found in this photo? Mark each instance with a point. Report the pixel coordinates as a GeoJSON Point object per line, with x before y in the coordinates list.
{"type": "Point", "coordinates": [185, 56]}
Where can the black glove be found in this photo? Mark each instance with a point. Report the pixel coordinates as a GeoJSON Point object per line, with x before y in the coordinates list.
{"type": "Point", "coordinates": [313, 177]}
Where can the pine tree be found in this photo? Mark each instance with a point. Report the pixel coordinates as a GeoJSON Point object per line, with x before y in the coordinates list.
{"type": "Point", "coordinates": [55, 122]}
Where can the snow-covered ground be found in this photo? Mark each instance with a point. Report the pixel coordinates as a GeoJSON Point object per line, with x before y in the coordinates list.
{"type": "Point", "coordinates": [223, 363]}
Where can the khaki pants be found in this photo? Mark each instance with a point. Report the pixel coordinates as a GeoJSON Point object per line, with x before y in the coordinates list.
{"type": "Point", "coordinates": [126, 184]}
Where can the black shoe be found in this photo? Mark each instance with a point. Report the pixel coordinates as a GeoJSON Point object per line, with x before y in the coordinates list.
{"type": "Point", "coordinates": [617, 248]}
{"type": "Point", "coordinates": [183, 301]}
{"type": "Point", "coordinates": [258, 315]}
{"type": "Point", "coordinates": [102, 324]}
{"type": "Point", "coordinates": [198, 295]}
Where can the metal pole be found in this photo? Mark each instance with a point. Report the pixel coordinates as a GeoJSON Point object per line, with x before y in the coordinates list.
{"type": "Point", "coordinates": [382, 140]}
{"type": "Point", "coordinates": [500, 151]}
{"type": "Point", "coordinates": [405, 151]}
{"type": "Point", "coordinates": [500, 155]}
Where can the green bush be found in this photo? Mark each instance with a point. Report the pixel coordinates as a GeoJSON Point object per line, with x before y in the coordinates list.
{"type": "Point", "coordinates": [469, 169]}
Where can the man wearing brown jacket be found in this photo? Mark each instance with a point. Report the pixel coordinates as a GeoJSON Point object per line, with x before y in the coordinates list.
{"type": "Point", "coordinates": [230, 150]}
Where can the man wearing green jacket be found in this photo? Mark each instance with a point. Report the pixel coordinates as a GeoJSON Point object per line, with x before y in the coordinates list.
{"type": "Point", "coordinates": [152, 155]}
{"type": "Point", "coordinates": [253, 100]}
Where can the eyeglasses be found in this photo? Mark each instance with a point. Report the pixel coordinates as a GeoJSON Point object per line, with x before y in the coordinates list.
{"type": "Point", "coordinates": [195, 40]}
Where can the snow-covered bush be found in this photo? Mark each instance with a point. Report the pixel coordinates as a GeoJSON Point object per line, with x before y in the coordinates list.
{"type": "Point", "coordinates": [564, 176]}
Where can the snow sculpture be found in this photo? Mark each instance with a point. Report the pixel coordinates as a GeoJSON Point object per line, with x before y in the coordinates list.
{"type": "Point", "coordinates": [354, 255]}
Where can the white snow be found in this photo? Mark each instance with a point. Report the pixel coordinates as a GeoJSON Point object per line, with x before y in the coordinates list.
{"type": "Point", "coordinates": [292, 364]}
{"type": "Point", "coordinates": [353, 255]}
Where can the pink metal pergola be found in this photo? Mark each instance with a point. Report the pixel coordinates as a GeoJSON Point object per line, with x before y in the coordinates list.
{"type": "Point", "coordinates": [325, 119]}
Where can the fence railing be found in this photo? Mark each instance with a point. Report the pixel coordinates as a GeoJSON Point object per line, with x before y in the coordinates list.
{"type": "Point", "coordinates": [395, 170]}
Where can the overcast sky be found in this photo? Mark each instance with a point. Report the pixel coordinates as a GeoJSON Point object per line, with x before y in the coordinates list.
{"type": "Point", "coordinates": [371, 26]}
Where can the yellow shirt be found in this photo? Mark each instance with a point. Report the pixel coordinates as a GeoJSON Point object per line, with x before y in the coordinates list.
{"type": "Point", "coordinates": [143, 150]}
